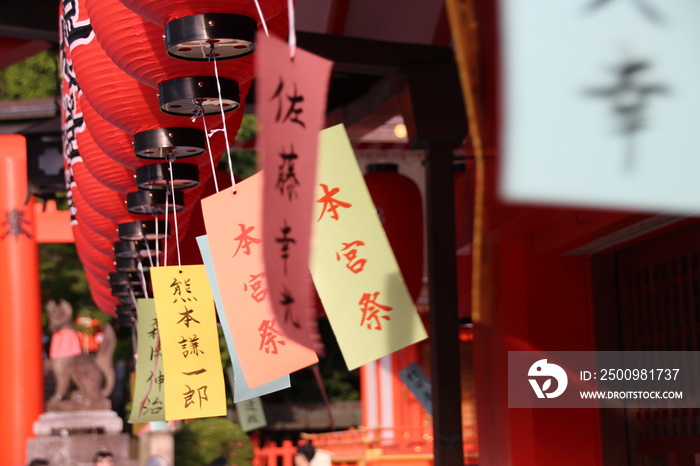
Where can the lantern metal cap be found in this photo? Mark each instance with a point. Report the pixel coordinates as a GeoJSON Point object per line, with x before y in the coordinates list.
{"type": "Point", "coordinates": [124, 278]}
{"type": "Point", "coordinates": [165, 143]}
{"type": "Point", "coordinates": [130, 265]}
{"type": "Point", "coordinates": [138, 230]}
{"type": "Point", "coordinates": [154, 202]}
{"type": "Point", "coordinates": [127, 289]}
{"type": "Point", "coordinates": [127, 299]}
{"type": "Point", "coordinates": [158, 176]}
{"type": "Point", "coordinates": [118, 278]}
{"type": "Point", "coordinates": [135, 248]}
{"type": "Point", "coordinates": [198, 94]}
{"type": "Point", "coordinates": [196, 37]}
{"type": "Point", "coordinates": [126, 315]}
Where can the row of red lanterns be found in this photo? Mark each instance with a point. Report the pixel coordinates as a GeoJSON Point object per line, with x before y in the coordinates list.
{"type": "Point", "coordinates": [133, 109]}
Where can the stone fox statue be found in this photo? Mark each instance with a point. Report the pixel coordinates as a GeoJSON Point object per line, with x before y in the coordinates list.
{"type": "Point", "coordinates": [93, 375]}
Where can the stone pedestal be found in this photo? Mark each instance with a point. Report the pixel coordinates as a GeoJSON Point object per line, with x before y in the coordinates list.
{"type": "Point", "coordinates": [62, 423]}
{"type": "Point", "coordinates": [72, 438]}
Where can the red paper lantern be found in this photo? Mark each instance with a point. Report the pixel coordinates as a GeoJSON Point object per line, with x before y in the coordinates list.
{"type": "Point", "coordinates": [136, 46]}
{"type": "Point", "coordinates": [114, 142]}
{"type": "Point", "coordinates": [161, 12]}
{"type": "Point", "coordinates": [111, 203]}
{"type": "Point", "coordinates": [88, 245]}
{"type": "Point", "coordinates": [400, 208]}
{"type": "Point", "coordinates": [128, 104]}
{"type": "Point", "coordinates": [111, 174]}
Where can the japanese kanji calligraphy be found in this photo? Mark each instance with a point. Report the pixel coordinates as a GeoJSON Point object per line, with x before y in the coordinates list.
{"type": "Point", "coordinates": [629, 96]}
{"type": "Point", "coordinates": [15, 224]}
{"type": "Point", "coordinates": [353, 266]}
{"type": "Point", "coordinates": [291, 103]}
{"type": "Point", "coordinates": [194, 377]}
{"type": "Point", "coordinates": [608, 126]}
{"type": "Point", "coordinates": [262, 345]}
{"type": "Point", "coordinates": [415, 379]}
{"type": "Point", "coordinates": [239, 386]}
{"type": "Point", "coordinates": [251, 415]}
{"type": "Point", "coordinates": [149, 396]}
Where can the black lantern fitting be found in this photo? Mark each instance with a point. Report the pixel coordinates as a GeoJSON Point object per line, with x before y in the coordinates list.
{"type": "Point", "coordinates": [134, 248]}
{"type": "Point", "coordinates": [198, 95]}
{"type": "Point", "coordinates": [197, 37]}
{"type": "Point", "coordinates": [154, 202]}
{"type": "Point", "coordinates": [160, 176]}
{"type": "Point", "coordinates": [126, 278]}
{"type": "Point", "coordinates": [127, 290]}
{"type": "Point", "coordinates": [167, 143]}
{"type": "Point", "coordinates": [126, 315]}
{"type": "Point", "coordinates": [130, 265]}
{"type": "Point", "coordinates": [139, 230]}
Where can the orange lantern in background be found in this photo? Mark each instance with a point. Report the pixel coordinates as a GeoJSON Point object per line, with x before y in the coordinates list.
{"type": "Point", "coordinates": [399, 205]}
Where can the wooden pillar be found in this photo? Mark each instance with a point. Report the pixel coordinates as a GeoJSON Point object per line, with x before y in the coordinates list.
{"type": "Point", "coordinates": [436, 121]}
{"type": "Point", "coordinates": [444, 320]}
{"type": "Point", "coordinates": [21, 386]}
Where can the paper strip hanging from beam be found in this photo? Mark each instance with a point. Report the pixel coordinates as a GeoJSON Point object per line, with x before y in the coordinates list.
{"type": "Point", "coordinates": [600, 104]}
{"type": "Point", "coordinates": [194, 378]}
{"type": "Point", "coordinates": [251, 414]}
{"type": "Point", "coordinates": [354, 269]}
{"type": "Point", "coordinates": [291, 103]}
{"type": "Point", "coordinates": [239, 386]}
{"type": "Point", "coordinates": [235, 239]}
{"type": "Point", "coordinates": [148, 401]}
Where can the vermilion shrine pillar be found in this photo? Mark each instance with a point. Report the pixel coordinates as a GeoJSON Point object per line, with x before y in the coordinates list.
{"type": "Point", "coordinates": [21, 379]}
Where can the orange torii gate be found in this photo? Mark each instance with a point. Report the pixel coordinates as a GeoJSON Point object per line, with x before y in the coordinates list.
{"type": "Point", "coordinates": [23, 225]}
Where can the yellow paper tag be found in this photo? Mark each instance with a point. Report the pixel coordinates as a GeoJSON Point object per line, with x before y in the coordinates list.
{"type": "Point", "coordinates": [194, 377]}
{"type": "Point", "coordinates": [352, 263]}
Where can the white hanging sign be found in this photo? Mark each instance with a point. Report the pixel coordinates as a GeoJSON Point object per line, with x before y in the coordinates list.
{"type": "Point", "coordinates": [600, 103]}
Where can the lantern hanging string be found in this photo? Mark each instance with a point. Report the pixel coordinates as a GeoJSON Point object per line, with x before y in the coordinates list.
{"type": "Point", "coordinates": [212, 56]}
{"type": "Point", "coordinates": [165, 248]}
{"type": "Point", "coordinates": [199, 112]}
{"type": "Point", "coordinates": [157, 242]}
{"type": "Point", "coordinates": [292, 29]}
{"type": "Point", "coordinates": [262, 18]}
{"type": "Point", "coordinates": [142, 275]}
{"type": "Point", "coordinates": [171, 190]}
{"type": "Point", "coordinates": [148, 249]}
{"type": "Point", "coordinates": [132, 295]}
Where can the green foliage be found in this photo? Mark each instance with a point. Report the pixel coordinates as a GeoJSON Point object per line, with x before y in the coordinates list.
{"type": "Point", "coordinates": [202, 441]}
{"type": "Point", "coordinates": [244, 161]}
{"type": "Point", "coordinates": [34, 78]}
{"type": "Point", "coordinates": [62, 275]}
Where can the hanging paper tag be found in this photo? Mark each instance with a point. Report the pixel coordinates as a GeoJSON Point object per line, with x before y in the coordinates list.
{"type": "Point", "coordinates": [194, 378]}
{"type": "Point", "coordinates": [148, 402]}
{"type": "Point", "coordinates": [353, 266]}
{"type": "Point", "coordinates": [241, 390]}
{"type": "Point", "coordinates": [291, 101]}
{"type": "Point", "coordinates": [415, 379]}
{"type": "Point", "coordinates": [251, 415]}
{"type": "Point", "coordinates": [235, 239]}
